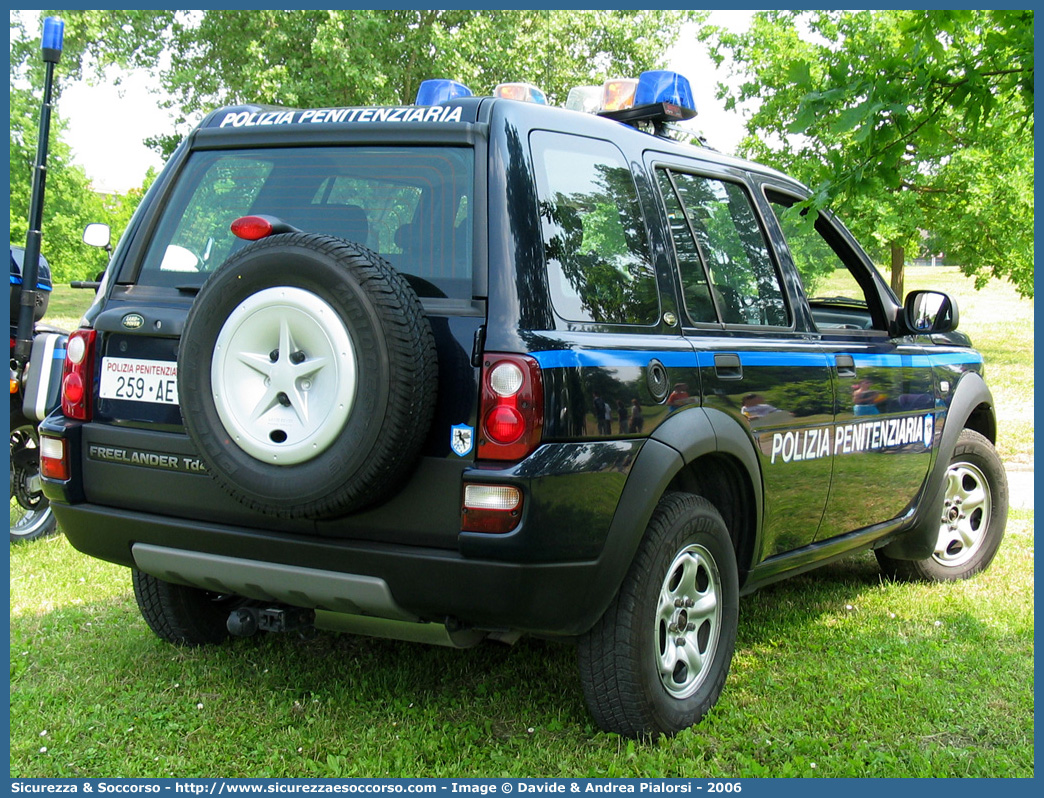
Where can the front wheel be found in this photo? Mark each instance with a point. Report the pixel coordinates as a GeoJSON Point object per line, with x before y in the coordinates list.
{"type": "Point", "coordinates": [972, 517]}
{"type": "Point", "coordinates": [31, 514]}
{"type": "Point", "coordinates": [657, 660]}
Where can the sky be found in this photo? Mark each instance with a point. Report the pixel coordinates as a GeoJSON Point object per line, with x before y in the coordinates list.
{"type": "Point", "coordinates": [108, 124]}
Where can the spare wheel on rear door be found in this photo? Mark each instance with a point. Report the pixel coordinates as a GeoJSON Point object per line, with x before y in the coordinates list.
{"type": "Point", "coordinates": [307, 376]}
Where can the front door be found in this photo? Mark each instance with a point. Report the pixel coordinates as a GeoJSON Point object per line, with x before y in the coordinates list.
{"type": "Point", "coordinates": [884, 426]}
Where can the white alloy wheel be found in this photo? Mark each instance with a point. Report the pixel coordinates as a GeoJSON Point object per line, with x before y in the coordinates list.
{"type": "Point", "coordinates": [688, 621]}
{"type": "Point", "coordinates": [972, 512]}
{"type": "Point", "coordinates": [967, 507]}
{"type": "Point", "coordinates": [283, 375]}
{"type": "Point", "coordinates": [656, 661]}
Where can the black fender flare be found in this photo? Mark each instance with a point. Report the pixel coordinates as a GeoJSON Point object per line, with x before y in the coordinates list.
{"type": "Point", "coordinates": [918, 539]}
{"type": "Point", "coordinates": [674, 444]}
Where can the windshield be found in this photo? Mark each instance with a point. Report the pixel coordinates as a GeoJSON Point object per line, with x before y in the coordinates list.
{"type": "Point", "coordinates": [412, 205]}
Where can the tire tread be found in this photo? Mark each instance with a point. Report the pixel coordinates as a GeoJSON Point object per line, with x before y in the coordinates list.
{"type": "Point", "coordinates": [612, 683]}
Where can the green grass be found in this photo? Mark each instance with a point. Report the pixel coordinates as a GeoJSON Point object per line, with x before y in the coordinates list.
{"type": "Point", "coordinates": [837, 673]}
{"type": "Point", "coordinates": [66, 305]}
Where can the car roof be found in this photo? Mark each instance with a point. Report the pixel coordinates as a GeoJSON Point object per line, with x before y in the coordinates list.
{"type": "Point", "coordinates": [265, 122]}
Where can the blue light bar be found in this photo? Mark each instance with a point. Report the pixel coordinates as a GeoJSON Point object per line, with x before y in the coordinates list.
{"type": "Point", "coordinates": [433, 92]}
{"type": "Point", "coordinates": [663, 86]}
{"type": "Point", "coordinates": [53, 34]}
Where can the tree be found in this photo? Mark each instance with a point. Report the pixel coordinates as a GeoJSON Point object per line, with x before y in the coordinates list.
{"type": "Point", "coordinates": [70, 202]}
{"type": "Point", "coordinates": [914, 123]}
{"type": "Point", "coordinates": [205, 59]}
{"type": "Point", "coordinates": [316, 58]}
{"type": "Point", "coordinates": [69, 205]}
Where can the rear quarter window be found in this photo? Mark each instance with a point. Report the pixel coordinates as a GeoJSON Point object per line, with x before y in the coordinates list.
{"type": "Point", "coordinates": [597, 252]}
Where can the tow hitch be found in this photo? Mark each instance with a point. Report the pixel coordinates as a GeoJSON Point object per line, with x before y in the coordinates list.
{"type": "Point", "coordinates": [247, 621]}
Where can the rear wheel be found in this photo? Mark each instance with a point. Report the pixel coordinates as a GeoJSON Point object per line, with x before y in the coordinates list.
{"type": "Point", "coordinates": [657, 660]}
{"type": "Point", "coordinates": [31, 514]}
{"type": "Point", "coordinates": [972, 516]}
{"type": "Point", "coordinates": [183, 615]}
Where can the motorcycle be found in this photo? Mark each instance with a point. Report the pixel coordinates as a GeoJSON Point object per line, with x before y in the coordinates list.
{"type": "Point", "coordinates": [37, 353]}
{"type": "Point", "coordinates": [34, 393]}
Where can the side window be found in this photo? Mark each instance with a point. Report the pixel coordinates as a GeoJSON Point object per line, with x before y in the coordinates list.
{"type": "Point", "coordinates": [836, 297]}
{"type": "Point", "coordinates": [695, 288]}
{"type": "Point", "coordinates": [732, 245]}
{"type": "Point", "coordinates": [598, 263]}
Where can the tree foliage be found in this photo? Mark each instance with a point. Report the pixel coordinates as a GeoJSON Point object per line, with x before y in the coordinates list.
{"type": "Point", "coordinates": [332, 58]}
{"type": "Point", "coordinates": [918, 125]}
{"type": "Point", "coordinates": [304, 58]}
{"type": "Point", "coordinates": [70, 203]}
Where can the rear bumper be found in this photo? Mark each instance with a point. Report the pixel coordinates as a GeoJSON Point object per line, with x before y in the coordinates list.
{"type": "Point", "coordinates": [554, 574]}
{"type": "Point", "coordinates": [428, 584]}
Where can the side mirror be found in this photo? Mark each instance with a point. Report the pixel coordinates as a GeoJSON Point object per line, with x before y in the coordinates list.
{"type": "Point", "coordinates": [926, 312]}
{"type": "Point", "coordinates": [97, 234]}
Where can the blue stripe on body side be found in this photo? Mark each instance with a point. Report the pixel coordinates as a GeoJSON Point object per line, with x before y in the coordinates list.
{"type": "Point", "coordinates": [622, 358]}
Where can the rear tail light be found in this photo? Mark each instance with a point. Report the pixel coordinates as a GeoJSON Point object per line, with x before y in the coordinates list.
{"type": "Point", "coordinates": [78, 375]}
{"type": "Point", "coordinates": [512, 409]}
{"type": "Point", "coordinates": [54, 464]}
{"type": "Point", "coordinates": [491, 508]}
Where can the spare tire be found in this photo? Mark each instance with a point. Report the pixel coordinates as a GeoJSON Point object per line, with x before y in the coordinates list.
{"type": "Point", "coordinates": [307, 375]}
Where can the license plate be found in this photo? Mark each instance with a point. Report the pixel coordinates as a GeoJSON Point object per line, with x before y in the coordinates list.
{"type": "Point", "coordinates": [136, 380]}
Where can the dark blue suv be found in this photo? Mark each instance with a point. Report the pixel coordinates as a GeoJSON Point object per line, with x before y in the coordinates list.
{"type": "Point", "coordinates": [482, 367]}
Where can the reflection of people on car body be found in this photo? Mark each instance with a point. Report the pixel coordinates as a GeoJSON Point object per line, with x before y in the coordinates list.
{"type": "Point", "coordinates": [602, 414]}
{"type": "Point", "coordinates": [679, 397]}
{"type": "Point", "coordinates": [755, 406]}
{"type": "Point", "coordinates": [865, 398]}
{"type": "Point", "coordinates": [637, 419]}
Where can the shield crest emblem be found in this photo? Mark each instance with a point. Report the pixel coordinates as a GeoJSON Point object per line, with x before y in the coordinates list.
{"type": "Point", "coordinates": [462, 439]}
{"type": "Point", "coordinates": [929, 429]}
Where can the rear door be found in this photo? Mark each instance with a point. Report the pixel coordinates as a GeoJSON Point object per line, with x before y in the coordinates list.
{"type": "Point", "coordinates": [757, 361]}
{"type": "Point", "coordinates": [614, 340]}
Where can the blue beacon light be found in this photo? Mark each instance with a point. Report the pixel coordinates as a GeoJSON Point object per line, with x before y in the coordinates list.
{"type": "Point", "coordinates": [439, 90]}
{"type": "Point", "coordinates": [663, 86]}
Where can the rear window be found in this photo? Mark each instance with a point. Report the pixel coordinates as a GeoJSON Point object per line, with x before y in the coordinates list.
{"type": "Point", "coordinates": [412, 205]}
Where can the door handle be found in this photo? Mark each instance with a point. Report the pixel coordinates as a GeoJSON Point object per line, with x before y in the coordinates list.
{"type": "Point", "coordinates": [728, 367]}
{"type": "Point", "coordinates": [845, 365]}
